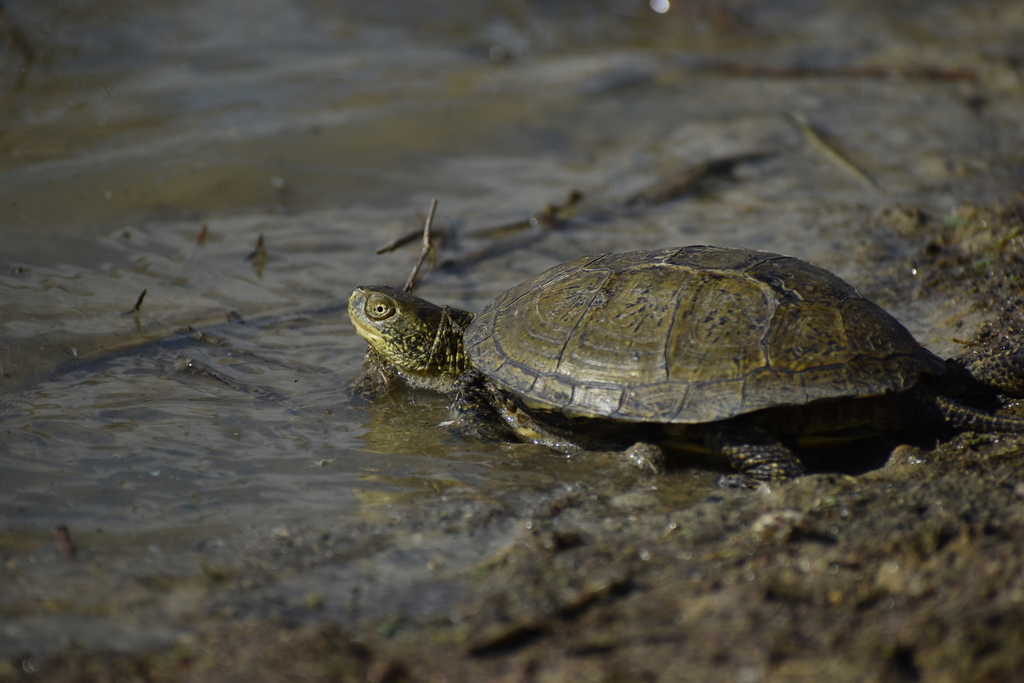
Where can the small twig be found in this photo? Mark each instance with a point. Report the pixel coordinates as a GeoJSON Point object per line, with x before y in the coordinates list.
{"type": "Point", "coordinates": [426, 247]}
{"type": "Point", "coordinates": [828, 151]}
{"type": "Point", "coordinates": [523, 233]}
{"type": "Point", "coordinates": [193, 367]}
{"type": "Point", "coordinates": [684, 180]}
{"type": "Point", "coordinates": [675, 185]}
{"type": "Point", "coordinates": [259, 251]}
{"type": "Point", "coordinates": [965, 342]}
{"type": "Point", "coordinates": [436, 235]}
{"type": "Point", "coordinates": [258, 256]}
{"type": "Point", "coordinates": [134, 310]}
{"type": "Point", "coordinates": [64, 542]}
{"type": "Point", "coordinates": [500, 231]}
{"type": "Point", "coordinates": [548, 217]}
{"type": "Point", "coordinates": [399, 241]}
{"type": "Point", "coordinates": [494, 249]}
{"type": "Point", "coordinates": [907, 72]}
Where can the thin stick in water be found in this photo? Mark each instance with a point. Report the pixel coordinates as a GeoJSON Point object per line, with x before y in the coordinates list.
{"type": "Point", "coordinates": [259, 251]}
{"type": "Point", "coordinates": [138, 305]}
{"type": "Point", "coordinates": [64, 542]}
{"type": "Point", "coordinates": [426, 247]}
{"type": "Point", "coordinates": [828, 151]}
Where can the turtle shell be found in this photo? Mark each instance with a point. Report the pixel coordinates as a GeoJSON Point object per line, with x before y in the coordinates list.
{"type": "Point", "coordinates": [690, 335]}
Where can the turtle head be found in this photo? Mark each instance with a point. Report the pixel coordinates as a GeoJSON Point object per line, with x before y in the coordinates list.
{"type": "Point", "coordinates": [421, 340]}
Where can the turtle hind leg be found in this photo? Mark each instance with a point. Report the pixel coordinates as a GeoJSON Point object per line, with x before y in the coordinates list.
{"type": "Point", "coordinates": [1003, 371]}
{"type": "Point", "coordinates": [754, 453]}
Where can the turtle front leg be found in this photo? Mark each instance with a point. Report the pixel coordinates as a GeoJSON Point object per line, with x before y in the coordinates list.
{"type": "Point", "coordinates": [754, 453]}
{"type": "Point", "coordinates": [473, 412]}
{"type": "Point", "coordinates": [481, 411]}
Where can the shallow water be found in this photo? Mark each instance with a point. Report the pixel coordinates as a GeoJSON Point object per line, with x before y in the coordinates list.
{"type": "Point", "coordinates": [325, 128]}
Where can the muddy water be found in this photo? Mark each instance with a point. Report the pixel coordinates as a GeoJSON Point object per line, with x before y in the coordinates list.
{"type": "Point", "coordinates": [149, 148]}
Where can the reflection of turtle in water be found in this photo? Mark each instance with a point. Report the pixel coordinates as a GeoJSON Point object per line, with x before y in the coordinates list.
{"type": "Point", "coordinates": [734, 347]}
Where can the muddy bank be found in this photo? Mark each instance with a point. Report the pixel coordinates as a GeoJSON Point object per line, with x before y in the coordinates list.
{"type": "Point", "coordinates": [909, 572]}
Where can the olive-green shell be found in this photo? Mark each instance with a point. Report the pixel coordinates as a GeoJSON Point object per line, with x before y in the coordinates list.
{"type": "Point", "coordinates": [690, 335]}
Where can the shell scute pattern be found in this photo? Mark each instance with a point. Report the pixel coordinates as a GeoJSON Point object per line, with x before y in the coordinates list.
{"type": "Point", "coordinates": [719, 328]}
{"type": "Point", "coordinates": [545, 320]}
{"type": "Point", "coordinates": [690, 335]}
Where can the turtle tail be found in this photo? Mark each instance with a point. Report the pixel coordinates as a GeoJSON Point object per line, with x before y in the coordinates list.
{"type": "Point", "coordinates": [965, 418]}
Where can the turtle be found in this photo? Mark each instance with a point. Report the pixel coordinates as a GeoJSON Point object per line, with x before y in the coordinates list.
{"type": "Point", "coordinates": [736, 348]}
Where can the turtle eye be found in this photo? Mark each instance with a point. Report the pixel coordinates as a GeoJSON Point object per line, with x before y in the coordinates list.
{"type": "Point", "coordinates": [378, 308]}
